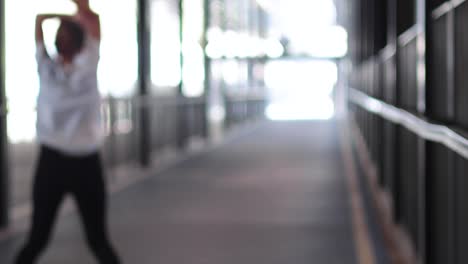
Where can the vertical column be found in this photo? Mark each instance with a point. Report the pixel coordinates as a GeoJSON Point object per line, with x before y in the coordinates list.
{"type": "Point", "coordinates": [4, 183]}
{"type": "Point", "coordinates": [451, 104]}
{"type": "Point", "coordinates": [421, 13]}
{"type": "Point", "coordinates": [371, 27]}
{"type": "Point", "coordinates": [355, 34]}
{"type": "Point", "coordinates": [380, 29]}
{"type": "Point", "coordinates": [441, 178]}
{"type": "Point", "coordinates": [181, 107]}
{"type": "Point", "coordinates": [144, 67]}
{"type": "Point", "coordinates": [181, 39]}
{"type": "Point", "coordinates": [421, 63]}
{"type": "Point", "coordinates": [207, 65]}
{"type": "Point", "coordinates": [392, 36]}
{"type": "Point", "coordinates": [363, 34]}
{"type": "Point", "coordinates": [450, 53]}
{"type": "Point", "coordinates": [250, 29]}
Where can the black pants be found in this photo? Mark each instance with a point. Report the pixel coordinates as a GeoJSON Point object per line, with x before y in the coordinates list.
{"type": "Point", "coordinates": [58, 174]}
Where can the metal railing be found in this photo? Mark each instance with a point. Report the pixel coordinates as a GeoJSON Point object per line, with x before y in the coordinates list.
{"type": "Point", "coordinates": [421, 127]}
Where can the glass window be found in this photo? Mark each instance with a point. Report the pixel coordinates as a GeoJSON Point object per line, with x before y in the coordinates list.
{"type": "Point", "coordinates": [165, 45]}
{"type": "Point", "coordinates": [193, 69]}
{"type": "Point", "coordinates": [118, 68]}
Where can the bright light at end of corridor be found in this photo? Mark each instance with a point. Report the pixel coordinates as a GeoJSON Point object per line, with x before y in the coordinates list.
{"type": "Point", "coordinates": [310, 26]}
{"type": "Point", "coordinates": [300, 90]}
{"type": "Point", "coordinates": [327, 42]}
{"type": "Point", "coordinates": [231, 44]}
{"type": "Point", "coordinates": [316, 110]}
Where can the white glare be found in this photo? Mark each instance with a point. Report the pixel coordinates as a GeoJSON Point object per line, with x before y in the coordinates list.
{"type": "Point", "coordinates": [21, 125]}
{"type": "Point", "coordinates": [232, 44]}
{"type": "Point", "coordinates": [310, 27]}
{"type": "Point", "coordinates": [300, 89]}
{"type": "Point", "coordinates": [165, 46]}
{"type": "Point", "coordinates": [326, 42]}
{"type": "Point", "coordinates": [313, 110]}
{"type": "Point", "coordinates": [231, 72]}
{"type": "Point", "coordinates": [273, 48]}
{"type": "Point", "coordinates": [217, 113]}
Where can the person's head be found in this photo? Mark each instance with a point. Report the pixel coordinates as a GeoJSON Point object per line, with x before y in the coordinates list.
{"type": "Point", "coordinates": [69, 39]}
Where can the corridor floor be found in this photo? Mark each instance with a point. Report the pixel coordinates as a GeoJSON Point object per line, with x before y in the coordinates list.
{"type": "Point", "coordinates": [276, 194]}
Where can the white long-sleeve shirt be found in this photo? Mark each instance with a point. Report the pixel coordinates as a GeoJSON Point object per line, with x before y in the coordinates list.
{"type": "Point", "coordinates": [69, 103]}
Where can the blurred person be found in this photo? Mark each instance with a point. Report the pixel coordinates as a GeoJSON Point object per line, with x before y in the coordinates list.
{"type": "Point", "coordinates": [70, 135]}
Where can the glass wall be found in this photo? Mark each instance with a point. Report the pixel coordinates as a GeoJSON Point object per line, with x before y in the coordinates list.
{"type": "Point", "coordinates": [193, 61]}
{"type": "Point", "coordinates": [118, 68]}
{"type": "Point", "coordinates": [238, 45]}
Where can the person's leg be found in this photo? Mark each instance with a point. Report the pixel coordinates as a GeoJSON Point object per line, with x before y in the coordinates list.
{"type": "Point", "coordinates": [89, 191]}
{"type": "Point", "coordinates": [48, 192]}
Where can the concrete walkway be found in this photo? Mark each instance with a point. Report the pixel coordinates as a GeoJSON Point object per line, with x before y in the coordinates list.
{"type": "Point", "coordinates": [275, 195]}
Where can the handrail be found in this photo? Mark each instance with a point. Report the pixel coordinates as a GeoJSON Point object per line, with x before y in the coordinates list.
{"type": "Point", "coordinates": [441, 10]}
{"type": "Point", "coordinates": [388, 52]}
{"type": "Point", "coordinates": [424, 129]}
{"type": "Point", "coordinates": [409, 35]}
{"type": "Point", "coordinates": [445, 8]}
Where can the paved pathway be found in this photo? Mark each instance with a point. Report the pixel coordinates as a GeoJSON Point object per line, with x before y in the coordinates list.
{"type": "Point", "coordinates": [275, 195]}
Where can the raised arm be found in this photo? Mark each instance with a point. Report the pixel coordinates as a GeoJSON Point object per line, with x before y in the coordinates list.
{"type": "Point", "coordinates": [91, 23]}
{"type": "Point", "coordinates": [88, 19]}
{"type": "Point", "coordinates": [39, 31]}
{"type": "Point", "coordinates": [40, 20]}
